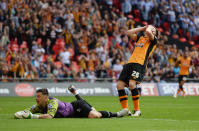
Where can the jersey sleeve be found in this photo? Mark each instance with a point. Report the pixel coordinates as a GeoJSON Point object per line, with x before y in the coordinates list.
{"type": "Point", "coordinates": [52, 107]}
{"type": "Point", "coordinates": [34, 109]}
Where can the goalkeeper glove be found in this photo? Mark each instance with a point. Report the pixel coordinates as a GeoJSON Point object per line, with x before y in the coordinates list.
{"type": "Point", "coordinates": [28, 115]}
{"type": "Point", "coordinates": [18, 115]}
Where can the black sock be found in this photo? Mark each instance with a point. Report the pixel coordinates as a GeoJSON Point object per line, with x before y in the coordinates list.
{"type": "Point", "coordinates": [106, 114]}
{"type": "Point", "coordinates": [181, 87]}
{"type": "Point", "coordinates": [113, 114]}
{"type": "Point", "coordinates": [121, 92]}
{"type": "Point", "coordinates": [78, 97]}
{"type": "Point", "coordinates": [134, 92]}
{"type": "Point", "coordinates": [139, 91]}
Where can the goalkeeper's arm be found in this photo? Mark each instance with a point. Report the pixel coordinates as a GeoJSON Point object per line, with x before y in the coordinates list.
{"type": "Point", "coordinates": [45, 116]}
{"type": "Point", "coordinates": [28, 115]}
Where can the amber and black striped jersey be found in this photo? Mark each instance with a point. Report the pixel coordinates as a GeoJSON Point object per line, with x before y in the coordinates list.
{"type": "Point", "coordinates": [184, 66]}
{"type": "Point", "coordinates": [143, 49]}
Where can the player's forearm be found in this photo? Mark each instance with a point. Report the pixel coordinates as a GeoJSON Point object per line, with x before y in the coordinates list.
{"type": "Point", "coordinates": [45, 116]}
{"type": "Point", "coordinates": [136, 30]}
{"type": "Point", "coordinates": [28, 115]}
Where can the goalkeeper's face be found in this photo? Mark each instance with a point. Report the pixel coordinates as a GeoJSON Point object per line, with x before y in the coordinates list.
{"type": "Point", "coordinates": [41, 99]}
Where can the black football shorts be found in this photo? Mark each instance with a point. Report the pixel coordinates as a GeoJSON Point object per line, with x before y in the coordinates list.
{"type": "Point", "coordinates": [81, 108]}
{"type": "Point", "coordinates": [132, 71]}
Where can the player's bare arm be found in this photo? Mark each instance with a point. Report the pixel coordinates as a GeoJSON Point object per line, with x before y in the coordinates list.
{"type": "Point", "coordinates": [45, 116]}
{"type": "Point", "coordinates": [133, 32]}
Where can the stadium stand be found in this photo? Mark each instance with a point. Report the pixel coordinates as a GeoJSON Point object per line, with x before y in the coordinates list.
{"type": "Point", "coordinates": [77, 39]}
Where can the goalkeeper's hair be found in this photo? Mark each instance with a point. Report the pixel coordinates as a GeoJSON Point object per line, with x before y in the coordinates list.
{"type": "Point", "coordinates": [44, 91]}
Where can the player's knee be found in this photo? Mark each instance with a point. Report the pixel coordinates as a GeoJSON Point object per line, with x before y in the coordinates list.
{"type": "Point", "coordinates": [181, 83]}
{"type": "Point", "coordinates": [132, 84]}
{"type": "Point", "coordinates": [94, 114]}
{"type": "Point", "coordinates": [120, 85]}
{"type": "Point", "coordinates": [93, 108]}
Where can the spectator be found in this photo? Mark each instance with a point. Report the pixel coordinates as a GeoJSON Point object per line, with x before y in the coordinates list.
{"type": "Point", "coordinates": [3, 5]}
{"type": "Point", "coordinates": [91, 76]}
{"type": "Point", "coordinates": [174, 28]}
{"type": "Point", "coordinates": [48, 47]}
{"type": "Point", "coordinates": [101, 72]}
{"type": "Point", "coordinates": [191, 30]}
{"type": "Point", "coordinates": [65, 57]}
{"type": "Point", "coordinates": [94, 31]}
{"type": "Point", "coordinates": [171, 16]}
{"type": "Point", "coordinates": [83, 47]}
{"type": "Point", "coordinates": [2, 52]}
{"type": "Point", "coordinates": [39, 50]}
{"type": "Point", "coordinates": [176, 70]}
{"type": "Point", "coordinates": [117, 67]}
{"type": "Point", "coordinates": [168, 74]}
{"type": "Point", "coordinates": [126, 7]}
{"type": "Point", "coordinates": [5, 38]}
{"type": "Point", "coordinates": [49, 74]}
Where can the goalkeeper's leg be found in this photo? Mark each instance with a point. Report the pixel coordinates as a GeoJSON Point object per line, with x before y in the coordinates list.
{"type": "Point", "coordinates": [73, 90]}
{"type": "Point", "coordinates": [106, 114]}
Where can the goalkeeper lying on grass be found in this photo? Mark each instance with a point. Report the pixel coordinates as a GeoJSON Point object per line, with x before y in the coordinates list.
{"type": "Point", "coordinates": [53, 108]}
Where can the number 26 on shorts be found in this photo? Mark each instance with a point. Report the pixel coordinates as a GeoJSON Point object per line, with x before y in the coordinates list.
{"type": "Point", "coordinates": [135, 74]}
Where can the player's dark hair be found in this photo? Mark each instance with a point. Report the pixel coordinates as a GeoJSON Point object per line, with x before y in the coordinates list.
{"type": "Point", "coordinates": [44, 91]}
{"type": "Point", "coordinates": [156, 32]}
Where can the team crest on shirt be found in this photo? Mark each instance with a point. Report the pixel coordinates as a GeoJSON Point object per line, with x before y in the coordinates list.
{"type": "Point", "coordinates": [139, 44]}
{"type": "Point", "coordinates": [50, 106]}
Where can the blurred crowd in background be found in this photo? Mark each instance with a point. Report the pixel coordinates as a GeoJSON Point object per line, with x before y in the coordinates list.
{"type": "Point", "coordinates": [78, 39]}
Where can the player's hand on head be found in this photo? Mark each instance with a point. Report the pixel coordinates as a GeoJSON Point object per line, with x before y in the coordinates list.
{"type": "Point", "coordinates": [146, 26]}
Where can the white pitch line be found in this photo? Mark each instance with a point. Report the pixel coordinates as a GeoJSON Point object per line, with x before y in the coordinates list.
{"type": "Point", "coordinates": [162, 119]}
{"type": "Point", "coordinates": [170, 130]}
{"type": "Point", "coordinates": [160, 130]}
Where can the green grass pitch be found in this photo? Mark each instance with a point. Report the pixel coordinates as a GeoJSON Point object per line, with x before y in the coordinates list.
{"type": "Point", "coordinates": [160, 113]}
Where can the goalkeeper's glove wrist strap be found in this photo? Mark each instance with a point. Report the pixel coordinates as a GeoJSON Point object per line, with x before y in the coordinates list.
{"type": "Point", "coordinates": [34, 116]}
